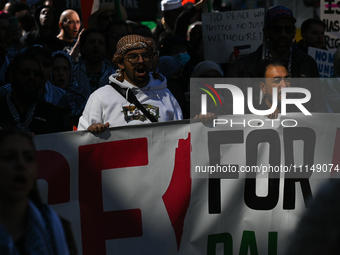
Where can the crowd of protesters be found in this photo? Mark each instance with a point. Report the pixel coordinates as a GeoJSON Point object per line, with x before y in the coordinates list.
{"type": "Point", "coordinates": [75, 62]}
{"type": "Point", "coordinates": [56, 76]}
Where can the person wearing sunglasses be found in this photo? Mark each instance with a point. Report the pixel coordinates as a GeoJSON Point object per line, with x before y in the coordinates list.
{"type": "Point", "coordinates": [22, 108]}
{"type": "Point", "coordinates": [111, 106]}
{"type": "Point", "coordinates": [279, 32]}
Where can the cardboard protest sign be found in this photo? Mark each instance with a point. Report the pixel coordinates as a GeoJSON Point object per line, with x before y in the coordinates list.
{"type": "Point", "coordinates": [324, 60]}
{"type": "Point", "coordinates": [329, 14]}
{"type": "Point", "coordinates": [224, 31]}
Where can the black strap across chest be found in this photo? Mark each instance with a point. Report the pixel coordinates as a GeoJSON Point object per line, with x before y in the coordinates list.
{"type": "Point", "coordinates": [133, 100]}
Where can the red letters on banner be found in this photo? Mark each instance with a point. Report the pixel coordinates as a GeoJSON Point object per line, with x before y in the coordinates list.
{"type": "Point", "coordinates": [55, 169]}
{"type": "Point", "coordinates": [96, 225]}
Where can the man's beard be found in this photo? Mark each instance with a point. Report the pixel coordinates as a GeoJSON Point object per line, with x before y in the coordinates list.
{"type": "Point", "coordinates": [27, 97]}
{"type": "Point", "coordinates": [280, 49]}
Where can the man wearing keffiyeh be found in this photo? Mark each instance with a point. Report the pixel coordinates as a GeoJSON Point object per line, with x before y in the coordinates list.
{"type": "Point", "coordinates": [108, 106]}
{"type": "Point", "coordinates": [21, 108]}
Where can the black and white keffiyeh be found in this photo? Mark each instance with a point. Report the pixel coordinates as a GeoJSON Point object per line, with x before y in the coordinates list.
{"type": "Point", "coordinates": [44, 234]}
{"type": "Point", "coordinates": [24, 126]}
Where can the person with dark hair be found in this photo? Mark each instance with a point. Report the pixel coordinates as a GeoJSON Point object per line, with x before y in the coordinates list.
{"type": "Point", "coordinates": [64, 77]}
{"type": "Point", "coordinates": [134, 95]}
{"type": "Point", "coordinates": [22, 108]}
{"type": "Point", "coordinates": [92, 71]}
{"type": "Point", "coordinates": [279, 31]}
{"type": "Point", "coordinates": [27, 226]}
{"type": "Point", "coordinates": [47, 28]}
{"type": "Point", "coordinates": [49, 92]}
{"type": "Point", "coordinates": [62, 69]}
{"type": "Point", "coordinates": [313, 35]}
{"type": "Point", "coordinates": [275, 74]}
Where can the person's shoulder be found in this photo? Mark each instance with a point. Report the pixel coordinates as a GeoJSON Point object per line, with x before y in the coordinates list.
{"type": "Point", "coordinates": [103, 92]}
{"type": "Point", "coordinates": [300, 55]}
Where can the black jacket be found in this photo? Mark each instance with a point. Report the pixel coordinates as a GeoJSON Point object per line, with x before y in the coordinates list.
{"type": "Point", "coordinates": [47, 118]}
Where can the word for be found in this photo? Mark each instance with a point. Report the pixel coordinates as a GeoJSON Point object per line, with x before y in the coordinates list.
{"type": "Point", "coordinates": [217, 139]}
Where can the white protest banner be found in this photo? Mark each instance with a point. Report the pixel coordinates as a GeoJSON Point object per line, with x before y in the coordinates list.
{"type": "Point", "coordinates": [329, 14]}
{"type": "Point", "coordinates": [129, 190]}
{"type": "Point", "coordinates": [324, 60]}
{"type": "Point", "coordinates": [222, 31]}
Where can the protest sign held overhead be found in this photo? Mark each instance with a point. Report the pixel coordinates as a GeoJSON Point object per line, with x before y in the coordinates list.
{"type": "Point", "coordinates": [228, 32]}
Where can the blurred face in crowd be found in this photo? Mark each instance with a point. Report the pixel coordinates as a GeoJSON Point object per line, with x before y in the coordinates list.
{"type": "Point", "coordinates": [94, 48]}
{"type": "Point", "coordinates": [315, 36]}
{"type": "Point", "coordinates": [45, 64]}
{"type": "Point", "coordinates": [46, 17]}
{"type": "Point", "coordinates": [136, 66]}
{"type": "Point", "coordinates": [18, 168]}
{"type": "Point", "coordinates": [280, 33]}
{"type": "Point", "coordinates": [27, 81]}
{"type": "Point", "coordinates": [71, 25]}
{"type": "Point", "coordinates": [61, 72]}
{"type": "Point", "coordinates": [105, 18]}
{"type": "Point", "coordinates": [276, 77]}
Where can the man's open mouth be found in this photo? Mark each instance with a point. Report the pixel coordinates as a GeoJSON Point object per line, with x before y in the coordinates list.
{"type": "Point", "coordinates": [141, 71]}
